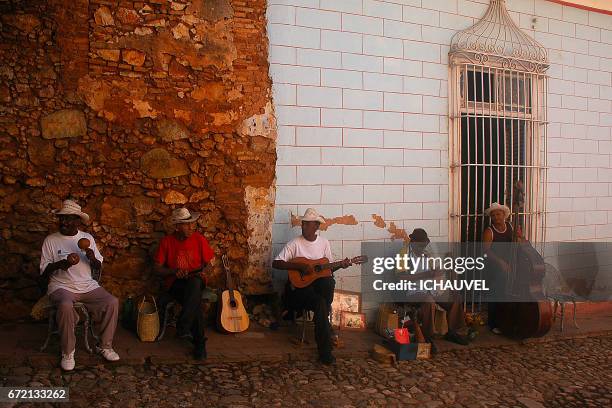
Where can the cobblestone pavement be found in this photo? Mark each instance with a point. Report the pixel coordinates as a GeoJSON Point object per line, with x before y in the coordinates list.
{"type": "Point", "coordinates": [570, 373]}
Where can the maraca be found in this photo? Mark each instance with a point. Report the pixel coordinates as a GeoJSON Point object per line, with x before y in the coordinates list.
{"type": "Point", "coordinates": [84, 243]}
{"type": "Point", "coordinates": [73, 259]}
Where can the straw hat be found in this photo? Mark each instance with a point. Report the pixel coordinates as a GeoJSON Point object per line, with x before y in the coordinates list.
{"type": "Point", "coordinates": [183, 215]}
{"type": "Point", "coordinates": [69, 207]}
{"type": "Point", "coordinates": [498, 207]}
{"type": "Point", "coordinates": [312, 215]}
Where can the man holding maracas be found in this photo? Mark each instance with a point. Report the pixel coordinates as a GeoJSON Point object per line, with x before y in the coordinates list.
{"type": "Point", "coordinates": [68, 259]}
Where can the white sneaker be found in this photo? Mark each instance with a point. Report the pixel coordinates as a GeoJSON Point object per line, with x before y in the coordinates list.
{"type": "Point", "coordinates": [67, 363]}
{"type": "Point", "coordinates": [109, 354]}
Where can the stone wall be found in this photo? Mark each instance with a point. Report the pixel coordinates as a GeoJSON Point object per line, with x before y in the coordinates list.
{"type": "Point", "coordinates": [134, 108]}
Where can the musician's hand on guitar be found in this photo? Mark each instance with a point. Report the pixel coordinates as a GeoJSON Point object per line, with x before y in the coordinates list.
{"type": "Point", "coordinates": [345, 263]}
{"type": "Point", "coordinates": [181, 273]}
{"type": "Point", "coordinates": [306, 269]}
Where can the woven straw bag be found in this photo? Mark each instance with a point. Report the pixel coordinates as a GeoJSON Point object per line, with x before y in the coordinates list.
{"type": "Point", "coordinates": [148, 320]}
{"type": "Point", "coordinates": [440, 321]}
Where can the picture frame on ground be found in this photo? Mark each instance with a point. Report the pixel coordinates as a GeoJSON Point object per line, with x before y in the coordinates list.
{"type": "Point", "coordinates": [353, 321]}
{"type": "Point", "coordinates": [344, 301]}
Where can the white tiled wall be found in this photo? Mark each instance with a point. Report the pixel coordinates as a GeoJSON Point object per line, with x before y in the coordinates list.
{"type": "Point", "coordinates": [361, 87]}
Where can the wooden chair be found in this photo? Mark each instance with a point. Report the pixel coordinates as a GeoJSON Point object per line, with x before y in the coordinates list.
{"type": "Point", "coordinates": [307, 319]}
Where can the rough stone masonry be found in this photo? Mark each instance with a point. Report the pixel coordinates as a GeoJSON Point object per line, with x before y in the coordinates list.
{"type": "Point", "coordinates": [134, 108]}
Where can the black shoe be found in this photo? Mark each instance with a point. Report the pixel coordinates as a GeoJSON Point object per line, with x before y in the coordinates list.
{"type": "Point", "coordinates": [327, 359]}
{"type": "Point", "coordinates": [434, 349]}
{"type": "Point", "coordinates": [456, 338]}
{"type": "Point", "coordinates": [199, 352]}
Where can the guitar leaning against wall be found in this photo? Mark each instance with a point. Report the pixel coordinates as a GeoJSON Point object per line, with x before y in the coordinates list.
{"type": "Point", "coordinates": [232, 316]}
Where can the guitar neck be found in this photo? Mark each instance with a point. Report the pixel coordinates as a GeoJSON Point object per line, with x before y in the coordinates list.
{"type": "Point", "coordinates": [329, 265]}
{"type": "Point", "coordinates": [230, 282]}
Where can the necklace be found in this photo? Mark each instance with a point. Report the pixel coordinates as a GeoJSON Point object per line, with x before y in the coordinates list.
{"type": "Point", "coordinates": [498, 231]}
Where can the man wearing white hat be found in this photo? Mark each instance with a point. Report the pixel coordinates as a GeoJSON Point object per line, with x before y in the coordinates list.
{"type": "Point", "coordinates": [496, 244]}
{"type": "Point", "coordinates": [318, 296]}
{"type": "Point", "coordinates": [67, 260]}
{"type": "Point", "coordinates": [184, 258]}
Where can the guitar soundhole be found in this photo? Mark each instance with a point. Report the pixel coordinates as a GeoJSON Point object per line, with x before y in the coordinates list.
{"type": "Point", "coordinates": [317, 268]}
{"type": "Point", "coordinates": [233, 303]}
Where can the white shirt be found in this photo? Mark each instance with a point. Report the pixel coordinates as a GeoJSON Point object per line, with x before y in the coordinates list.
{"type": "Point", "coordinates": [429, 252]}
{"type": "Point", "coordinates": [300, 247]}
{"type": "Point", "coordinates": [77, 278]}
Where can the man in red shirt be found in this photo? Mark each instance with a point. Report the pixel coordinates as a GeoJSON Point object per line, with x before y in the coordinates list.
{"type": "Point", "coordinates": [184, 258]}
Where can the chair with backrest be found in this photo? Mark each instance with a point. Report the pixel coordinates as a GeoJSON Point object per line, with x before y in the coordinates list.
{"type": "Point", "coordinates": [84, 318]}
{"type": "Point", "coordinates": [557, 291]}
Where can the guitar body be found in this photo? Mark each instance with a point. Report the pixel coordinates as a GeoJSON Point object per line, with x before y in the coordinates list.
{"type": "Point", "coordinates": [233, 317]}
{"type": "Point", "coordinates": [301, 281]}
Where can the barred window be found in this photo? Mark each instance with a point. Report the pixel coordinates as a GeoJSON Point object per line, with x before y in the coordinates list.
{"type": "Point", "coordinates": [497, 126]}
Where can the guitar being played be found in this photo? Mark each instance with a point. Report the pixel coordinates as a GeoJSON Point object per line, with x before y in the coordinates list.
{"type": "Point", "coordinates": [318, 294]}
{"type": "Point", "coordinates": [313, 269]}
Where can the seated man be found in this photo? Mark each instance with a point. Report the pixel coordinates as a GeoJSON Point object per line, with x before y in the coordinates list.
{"type": "Point", "coordinates": [184, 259]}
{"type": "Point", "coordinates": [418, 247]}
{"type": "Point", "coordinates": [68, 269]}
{"type": "Point", "coordinates": [319, 295]}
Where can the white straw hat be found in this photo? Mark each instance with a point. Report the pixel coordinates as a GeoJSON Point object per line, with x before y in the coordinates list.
{"type": "Point", "coordinates": [312, 215]}
{"type": "Point", "coordinates": [69, 207]}
{"type": "Point", "coordinates": [498, 207]}
{"type": "Point", "coordinates": [182, 215]}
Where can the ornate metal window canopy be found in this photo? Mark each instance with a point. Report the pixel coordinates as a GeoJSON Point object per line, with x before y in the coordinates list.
{"type": "Point", "coordinates": [497, 41]}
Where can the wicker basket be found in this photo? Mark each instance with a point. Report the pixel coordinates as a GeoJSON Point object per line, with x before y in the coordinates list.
{"type": "Point", "coordinates": [148, 320]}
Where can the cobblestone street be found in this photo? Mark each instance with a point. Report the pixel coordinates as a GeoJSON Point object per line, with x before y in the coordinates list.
{"type": "Point", "coordinates": [570, 373]}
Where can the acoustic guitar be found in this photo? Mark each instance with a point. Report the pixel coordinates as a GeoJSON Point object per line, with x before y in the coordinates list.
{"type": "Point", "coordinates": [322, 268]}
{"type": "Point", "coordinates": [232, 316]}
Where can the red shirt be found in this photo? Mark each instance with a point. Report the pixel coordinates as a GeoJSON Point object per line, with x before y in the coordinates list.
{"type": "Point", "coordinates": [190, 254]}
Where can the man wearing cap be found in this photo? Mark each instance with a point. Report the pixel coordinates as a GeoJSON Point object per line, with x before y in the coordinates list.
{"type": "Point", "coordinates": [496, 245]}
{"type": "Point", "coordinates": [68, 269]}
{"type": "Point", "coordinates": [418, 247]}
{"type": "Point", "coordinates": [184, 258]}
{"type": "Point", "coordinates": [319, 295]}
